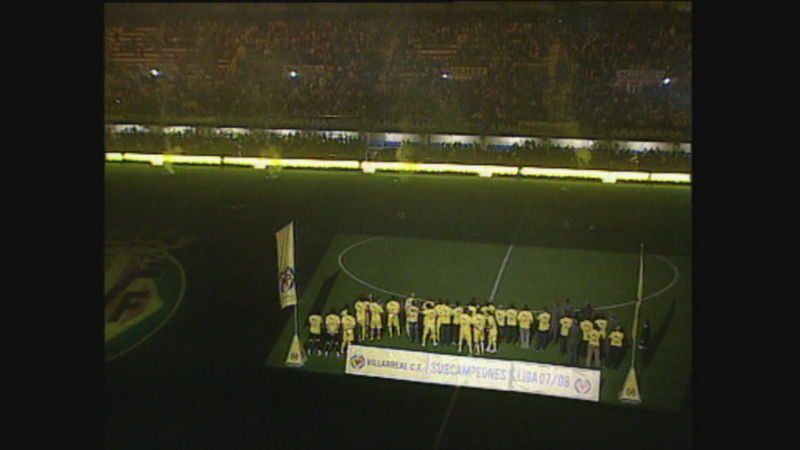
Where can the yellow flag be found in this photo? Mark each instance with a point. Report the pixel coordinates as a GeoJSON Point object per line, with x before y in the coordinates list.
{"type": "Point", "coordinates": [286, 271]}
{"type": "Point", "coordinates": [296, 356]}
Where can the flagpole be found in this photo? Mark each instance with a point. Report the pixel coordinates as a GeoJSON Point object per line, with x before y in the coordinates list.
{"type": "Point", "coordinates": [639, 291]}
{"type": "Point", "coordinates": [296, 312]}
{"type": "Point", "coordinates": [630, 389]}
{"type": "Point", "coordinates": [286, 266]}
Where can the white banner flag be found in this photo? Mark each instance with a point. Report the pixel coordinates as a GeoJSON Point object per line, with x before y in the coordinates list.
{"type": "Point", "coordinates": [558, 381]}
{"type": "Point", "coordinates": [386, 363]}
{"type": "Point", "coordinates": [484, 373]}
{"type": "Point", "coordinates": [286, 270]}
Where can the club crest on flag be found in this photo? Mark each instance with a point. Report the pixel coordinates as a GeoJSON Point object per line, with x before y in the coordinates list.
{"type": "Point", "coordinates": [286, 279]}
{"type": "Point", "coordinates": [286, 264]}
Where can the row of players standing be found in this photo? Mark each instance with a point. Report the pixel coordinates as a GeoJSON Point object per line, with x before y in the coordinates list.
{"type": "Point", "coordinates": [475, 328]}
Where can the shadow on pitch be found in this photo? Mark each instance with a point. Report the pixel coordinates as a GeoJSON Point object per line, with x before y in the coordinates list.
{"type": "Point", "coordinates": [658, 335]}
{"type": "Point", "coordinates": [325, 291]}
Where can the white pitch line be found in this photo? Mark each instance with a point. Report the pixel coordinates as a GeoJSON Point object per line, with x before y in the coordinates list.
{"type": "Point", "coordinates": [500, 273]}
{"type": "Point", "coordinates": [359, 280]}
{"type": "Point", "coordinates": [505, 259]}
{"type": "Point", "coordinates": [676, 275]}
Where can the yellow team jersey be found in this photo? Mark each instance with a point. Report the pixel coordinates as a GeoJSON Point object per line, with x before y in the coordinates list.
{"type": "Point", "coordinates": [332, 322]}
{"type": "Point", "coordinates": [500, 315]}
{"type": "Point", "coordinates": [525, 319]}
{"type": "Point", "coordinates": [491, 325]}
{"type": "Point", "coordinates": [602, 324]}
{"type": "Point", "coordinates": [566, 324]}
{"type": "Point", "coordinates": [586, 327]}
{"type": "Point", "coordinates": [544, 321]}
{"type": "Point", "coordinates": [594, 338]}
{"type": "Point", "coordinates": [429, 317]}
{"type": "Point", "coordinates": [361, 313]}
{"type": "Point", "coordinates": [511, 317]}
{"type": "Point", "coordinates": [616, 338]}
{"type": "Point", "coordinates": [376, 314]}
{"type": "Point", "coordinates": [315, 324]}
{"type": "Point", "coordinates": [465, 324]}
{"type": "Point", "coordinates": [393, 307]}
{"type": "Point", "coordinates": [479, 322]}
{"type": "Point", "coordinates": [443, 314]}
{"type": "Point", "coordinates": [412, 314]}
{"type": "Point", "coordinates": [348, 325]}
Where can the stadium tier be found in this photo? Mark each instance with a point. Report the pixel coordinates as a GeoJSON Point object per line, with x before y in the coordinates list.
{"type": "Point", "coordinates": [598, 72]}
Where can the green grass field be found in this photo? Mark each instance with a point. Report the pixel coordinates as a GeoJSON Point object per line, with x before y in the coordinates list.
{"type": "Point", "coordinates": [201, 380]}
{"type": "Point", "coordinates": [531, 276]}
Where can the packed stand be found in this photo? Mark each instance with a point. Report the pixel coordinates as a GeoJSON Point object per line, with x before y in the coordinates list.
{"type": "Point", "coordinates": [534, 68]}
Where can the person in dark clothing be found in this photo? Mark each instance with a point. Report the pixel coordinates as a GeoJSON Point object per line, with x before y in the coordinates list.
{"type": "Point", "coordinates": [643, 343]}
{"type": "Point", "coordinates": [574, 340]}
{"type": "Point", "coordinates": [587, 312]}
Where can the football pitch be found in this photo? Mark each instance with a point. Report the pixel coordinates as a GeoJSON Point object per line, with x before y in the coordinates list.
{"type": "Point", "coordinates": [211, 372]}
{"type": "Point", "coordinates": [525, 276]}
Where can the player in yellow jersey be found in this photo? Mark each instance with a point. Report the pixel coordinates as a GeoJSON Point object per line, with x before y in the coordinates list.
{"type": "Point", "coordinates": [616, 340]}
{"type": "Point", "coordinates": [511, 325]}
{"type": "Point", "coordinates": [565, 323]}
{"type": "Point", "coordinates": [428, 323]}
{"type": "Point", "coordinates": [412, 321]}
{"type": "Point", "coordinates": [525, 319]}
{"type": "Point", "coordinates": [491, 332]}
{"type": "Point", "coordinates": [410, 300]}
{"type": "Point", "coordinates": [443, 321]}
{"type": "Point", "coordinates": [593, 354]}
{"type": "Point", "coordinates": [332, 324]}
{"type": "Point", "coordinates": [500, 315]}
{"type": "Point", "coordinates": [348, 331]}
{"type": "Point", "coordinates": [478, 332]}
{"type": "Point", "coordinates": [393, 317]}
{"type": "Point", "coordinates": [601, 323]}
{"type": "Point", "coordinates": [361, 319]}
{"type": "Point", "coordinates": [314, 342]}
{"type": "Point", "coordinates": [586, 326]}
{"type": "Point", "coordinates": [465, 330]}
{"type": "Point", "coordinates": [375, 319]}
{"type": "Point", "coordinates": [543, 330]}
{"type": "Point", "coordinates": [457, 310]}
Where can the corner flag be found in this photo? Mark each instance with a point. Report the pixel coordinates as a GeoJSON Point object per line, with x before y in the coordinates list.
{"type": "Point", "coordinates": [288, 291]}
{"type": "Point", "coordinates": [286, 271]}
{"type": "Point", "coordinates": [296, 356]}
{"type": "Point", "coordinates": [630, 390]}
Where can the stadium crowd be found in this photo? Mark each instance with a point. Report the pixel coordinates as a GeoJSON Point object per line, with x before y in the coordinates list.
{"type": "Point", "coordinates": [476, 69]}
{"type": "Point", "coordinates": [584, 337]}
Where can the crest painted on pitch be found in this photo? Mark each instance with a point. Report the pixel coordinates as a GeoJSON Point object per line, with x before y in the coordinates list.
{"type": "Point", "coordinates": [143, 287]}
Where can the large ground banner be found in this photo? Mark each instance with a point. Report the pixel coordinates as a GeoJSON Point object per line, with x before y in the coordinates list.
{"type": "Point", "coordinates": [485, 373]}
